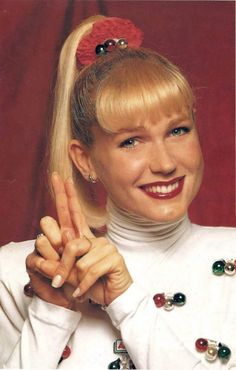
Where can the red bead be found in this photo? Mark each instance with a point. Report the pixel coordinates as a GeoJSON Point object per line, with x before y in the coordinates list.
{"type": "Point", "coordinates": [159, 299]}
{"type": "Point", "coordinates": [66, 353]}
{"type": "Point", "coordinates": [110, 44]}
{"type": "Point", "coordinates": [28, 290]}
{"type": "Point", "coordinates": [201, 344]}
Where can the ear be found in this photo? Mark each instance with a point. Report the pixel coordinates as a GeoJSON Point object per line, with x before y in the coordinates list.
{"type": "Point", "coordinates": [80, 156]}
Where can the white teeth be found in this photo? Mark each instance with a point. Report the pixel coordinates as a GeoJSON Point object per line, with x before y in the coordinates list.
{"type": "Point", "coordinates": [162, 189]}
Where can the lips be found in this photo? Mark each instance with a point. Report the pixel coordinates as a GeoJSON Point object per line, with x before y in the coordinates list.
{"type": "Point", "coordinates": [164, 189]}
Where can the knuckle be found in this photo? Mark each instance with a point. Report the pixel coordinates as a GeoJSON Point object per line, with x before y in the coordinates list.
{"type": "Point", "coordinates": [28, 261]}
{"type": "Point", "coordinates": [72, 247]}
{"type": "Point", "coordinates": [102, 240]}
{"type": "Point", "coordinates": [119, 258]}
{"type": "Point", "coordinates": [80, 264]}
{"type": "Point", "coordinates": [30, 274]}
{"type": "Point", "coordinates": [111, 248]}
{"type": "Point", "coordinates": [93, 271]}
{"type": "Point", "coordinates": [40, 242]}
{"type": "Point", "coordinates": [62, 208]}
{"type": "Point", "coordinates": [62, 270]}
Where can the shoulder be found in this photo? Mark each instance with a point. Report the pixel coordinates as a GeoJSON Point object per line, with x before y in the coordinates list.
{"type": "Point", "coordinates": [12, 259]}
{"type": "Point", "coordinates": [216, 238]}
{"type": "Point", "coordinates": [221, 232]}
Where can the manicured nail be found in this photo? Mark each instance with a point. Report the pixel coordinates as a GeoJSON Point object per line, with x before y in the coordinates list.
{"type": "Point", "coordinates": [76, 293]}
{"type": "Point", "coordinates": [56, 282]}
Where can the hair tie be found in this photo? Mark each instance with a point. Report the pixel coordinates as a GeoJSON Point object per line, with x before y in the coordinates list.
{"type": "Point", "coordinates": [107, 35]}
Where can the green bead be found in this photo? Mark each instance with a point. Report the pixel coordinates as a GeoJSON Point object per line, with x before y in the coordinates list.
{"type": "Point", "coordinates": [218, 267]}
{"type": "Point", "coordinates": [100, 49]}
{"type": "Point", "coordinates": [115, 364]}
{"type": "Point", "coordinates": [224, 353]}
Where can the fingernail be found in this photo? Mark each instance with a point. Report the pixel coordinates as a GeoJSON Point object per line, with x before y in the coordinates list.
{"type": "Point", "coordinates": [76, 293]}
{"type": "Point", "coordinates": [56, 282]}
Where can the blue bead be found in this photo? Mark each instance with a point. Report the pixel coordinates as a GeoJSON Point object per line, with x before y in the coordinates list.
{"type": "Point", "coordinates": [179, 299]}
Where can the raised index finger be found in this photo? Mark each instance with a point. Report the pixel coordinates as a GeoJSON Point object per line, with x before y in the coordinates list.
{"type": "Point", "coordinates": [76, 211]}
{"type": "Point", "coordinates": [62, 206]}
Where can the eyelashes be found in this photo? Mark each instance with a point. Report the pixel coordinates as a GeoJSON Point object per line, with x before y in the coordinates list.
{"type": "Point", "coordinates": [132, 142]}
{"type": "Point", "coordinates": [129, 143]}
{"type": "Point", "coordinates": [178, 131]}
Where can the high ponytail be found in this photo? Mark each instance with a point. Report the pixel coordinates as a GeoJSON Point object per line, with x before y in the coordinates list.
{"type": "Point", "coordinates": [61, 133]}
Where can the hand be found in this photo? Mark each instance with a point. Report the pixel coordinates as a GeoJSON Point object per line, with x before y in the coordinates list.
{"type": "Point", "coordinates": [49, 246]}
{"type": "Point", "coordinates": [101, 273]}
{"type": "Point", "coordinates": [41, 283]}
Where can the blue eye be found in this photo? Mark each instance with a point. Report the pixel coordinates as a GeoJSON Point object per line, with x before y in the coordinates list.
{"type": "Point", "coordinates": [129, 143]}
{"type": "Point", "coordinates": [178, 131]}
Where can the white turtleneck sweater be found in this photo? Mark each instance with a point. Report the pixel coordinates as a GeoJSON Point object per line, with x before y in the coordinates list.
{"type": "Point", "coordinates": [169, 258]}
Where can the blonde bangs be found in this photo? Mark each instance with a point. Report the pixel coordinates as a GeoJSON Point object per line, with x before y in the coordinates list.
{"type": "Point", "coordinates": [139, 91]}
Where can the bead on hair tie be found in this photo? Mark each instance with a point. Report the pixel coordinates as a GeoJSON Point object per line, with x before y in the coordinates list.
{"type": "Point", "coordinates": [110, 45]}
{"type": "Point", "coordinates": [222, 266]}
{"type": "Point", "coordinates": [213, 349]}
{"type": "Point", "coordinates": [106, 35]}
{"type": "Point", "coordinates": [168, 301]}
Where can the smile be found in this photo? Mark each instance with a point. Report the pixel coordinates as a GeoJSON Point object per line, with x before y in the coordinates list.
{"type": "Point", "coordinates": [164, 189]}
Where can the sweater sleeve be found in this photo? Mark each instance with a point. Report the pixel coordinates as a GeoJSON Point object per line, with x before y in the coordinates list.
{"type": "Point", "coordinates": [146, 334]}
{"type": "Point", "coordinates": [33, 333]}
{"type": "Point", "coordinates": [44, 335]}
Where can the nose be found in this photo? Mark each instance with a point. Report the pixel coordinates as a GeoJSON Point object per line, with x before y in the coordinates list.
{"type": "Point", "coordinates": [162, 159]}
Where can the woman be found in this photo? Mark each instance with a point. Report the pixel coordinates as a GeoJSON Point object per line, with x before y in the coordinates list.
{"type": "Point", "coordinates": [124, 117]}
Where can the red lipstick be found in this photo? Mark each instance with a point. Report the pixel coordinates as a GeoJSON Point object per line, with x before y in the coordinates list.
{"type": "Point", "coordinates": [164, 189]}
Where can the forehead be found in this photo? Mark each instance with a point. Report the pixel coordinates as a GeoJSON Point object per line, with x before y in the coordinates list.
{"type": "Point", "coordinates": [160, 119]}
{"type": "Point", "coordinates": [138, 92]}
{"type": "Point", "coordinates": [163, 120]}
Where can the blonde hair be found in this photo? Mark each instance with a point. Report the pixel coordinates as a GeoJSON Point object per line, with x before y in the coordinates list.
{"type": "Point", "coordinates": [122, 88]}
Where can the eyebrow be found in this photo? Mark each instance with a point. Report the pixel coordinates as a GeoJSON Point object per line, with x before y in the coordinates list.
{"type": "Point", "coordinates": [175, 120]}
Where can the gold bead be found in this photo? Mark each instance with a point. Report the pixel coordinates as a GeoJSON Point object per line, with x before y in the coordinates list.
{"type": "Point", "coordinates": [169, 304]}
{"type": "Point", "coordinates": [122, 43]}
{"type": "Point", "coordinates": [229, 268]}
{"type": "Point", "coordinates": [211, 354]}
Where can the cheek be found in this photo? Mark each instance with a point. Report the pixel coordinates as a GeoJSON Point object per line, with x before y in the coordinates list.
{"type": "Point", "coordinates": [120, 170]}
{"type": "Point", "coordinates": [194, 158]}
{"type": "Point", "coordinates": [196, 167]}
{"type": "Point", "coordinates": [198, 162]}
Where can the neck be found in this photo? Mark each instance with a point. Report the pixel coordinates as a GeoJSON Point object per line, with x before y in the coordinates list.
{"type": "Point", "coordinates": [129, 227]}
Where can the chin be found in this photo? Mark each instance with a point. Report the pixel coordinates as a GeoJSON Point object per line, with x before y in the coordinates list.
{"type": "Point", "coordinates": [169, 214]}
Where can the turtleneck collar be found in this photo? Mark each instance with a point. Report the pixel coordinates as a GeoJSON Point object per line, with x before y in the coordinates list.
{"type": "Point", "coordinates": [144, 244]}
{"type": "Point", "coordinates": [123, 226]}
